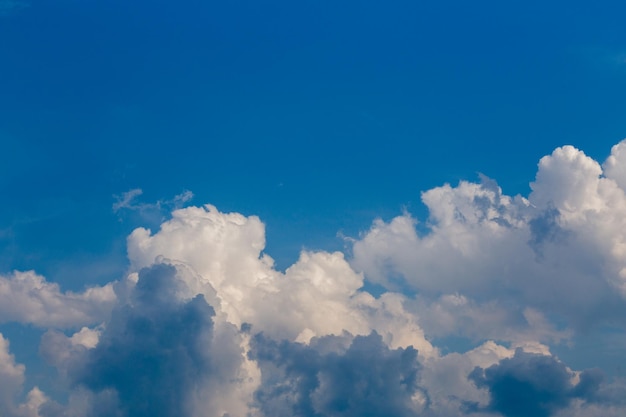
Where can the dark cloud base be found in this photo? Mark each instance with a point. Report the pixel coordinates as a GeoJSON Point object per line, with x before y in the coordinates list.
{"type": "Point", "coordinates": [533, 385]}
{"type": "Point", "coordinates": [326, 378]}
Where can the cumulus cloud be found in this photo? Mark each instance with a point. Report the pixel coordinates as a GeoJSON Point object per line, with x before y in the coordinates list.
{"type": "Point", "coordinates": [26, 297]}
{"type": "Point", "coordinates": [204, 325]}
{"type": "Point", "coordinates": [320, 291]}
{"type": "Point", "coordinates": [559, 251]}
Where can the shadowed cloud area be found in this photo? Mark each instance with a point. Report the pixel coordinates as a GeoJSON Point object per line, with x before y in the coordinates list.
{"type": "Point", "coordinates": [337, 376]}
{"type": "Point", "coordinates": [533, 385]}
{"type": "Point", "coordinates": [155, 351]}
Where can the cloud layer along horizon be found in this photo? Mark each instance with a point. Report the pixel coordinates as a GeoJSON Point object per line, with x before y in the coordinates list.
{"type": "Point", "coordinates": [203, 324]}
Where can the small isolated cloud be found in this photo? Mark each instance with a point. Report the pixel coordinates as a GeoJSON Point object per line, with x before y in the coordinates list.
{"type": "Point", "coordinates": [128, 201]}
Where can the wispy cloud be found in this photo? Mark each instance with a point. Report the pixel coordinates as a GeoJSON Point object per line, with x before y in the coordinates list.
{"type": "Point", "coordinates": [128, 201]}
{"type": "Point", "coordinates": [150, 212]}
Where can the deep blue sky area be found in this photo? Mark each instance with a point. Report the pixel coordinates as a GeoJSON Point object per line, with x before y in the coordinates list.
{"type": "Point", "coordinates": [317, 116]}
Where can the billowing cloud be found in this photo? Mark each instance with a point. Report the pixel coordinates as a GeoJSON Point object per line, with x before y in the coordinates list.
{"type": "Point", "coordinates": [225, 249]}
{"type": "Point", "coordinates": [561, 251]}
{"type": "Point", "coordinates": [472, 305]}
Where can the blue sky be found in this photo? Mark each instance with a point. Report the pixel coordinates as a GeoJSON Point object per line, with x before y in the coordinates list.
{"type": "Point", "coordinates": [319, 118]}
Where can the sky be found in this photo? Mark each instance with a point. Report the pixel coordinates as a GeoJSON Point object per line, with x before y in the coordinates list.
{"type": "Point", "coordinates": [312, 208]}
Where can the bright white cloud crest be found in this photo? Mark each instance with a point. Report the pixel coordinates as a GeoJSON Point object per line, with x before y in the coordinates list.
{"type": "Point", "coordinates": [203, 303]}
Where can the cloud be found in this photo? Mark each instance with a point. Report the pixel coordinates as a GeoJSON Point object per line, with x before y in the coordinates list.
{"type": "Point", "coordinates": [161, 353]}
{"type": "Point", "coordinates": [534, 385]}
{"type": "Point", "coordinates": [174, 329]}
{"type": "Point", "coordinates": [460, 316]}
{"type": "Point", "coordinates": [472, 305]}
{"type": "Point", "coordinates": [128, 203]}
{"type": "Point", "coordinates": [126, 200]}
{"type": "Point", "coordinates": [11, 384]}
{"type": "Point", "coordinates": [26, 297]}
{"type": "Point", "coordinates": [615, 165]}
{"type": "Point", "coordinates": [561, 251]}
{"type": "Point", "coordinates": [337, 376]}
{"type": "Point", "coordinates": [226, 251]}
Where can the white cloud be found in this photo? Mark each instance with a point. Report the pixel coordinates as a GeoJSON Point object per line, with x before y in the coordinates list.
{"type": "Point", "coordinates": [615, 165]}
{"type": "Point", "coordinates": [561, 251]}
{"type": "Point", "coordinates": [506, 274]}
{"type": "Point", "coordinates": [316, 296]}
{"type": "Point", "coordinates": [11, 376]}
{"type": "Point", "coordinates": [26, 297]}
{"type": "Point", "coordinates": [11, 384]}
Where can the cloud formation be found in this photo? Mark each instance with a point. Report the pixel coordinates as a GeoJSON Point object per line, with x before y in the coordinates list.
{"type": "Point", "coordinates": [533, 385]}
{"type": "Point", "coordinates": [560, 251]}
{"type": "Point", "coordinates": [160, 353]}
{"type": "Point", "coordinates": [26, 297]}
{"type": "Point", "coordinates": [471, 308]}
{"type": "Point", "coordinates": [11, 386]}
{"type": "Point", "coordinates": [337, 376]}
{"type": "Point", "coordinates": [226, 251]}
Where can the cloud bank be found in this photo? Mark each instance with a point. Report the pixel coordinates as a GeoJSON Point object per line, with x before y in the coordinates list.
{"type": "Point", "coordinates": [203, 324]}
